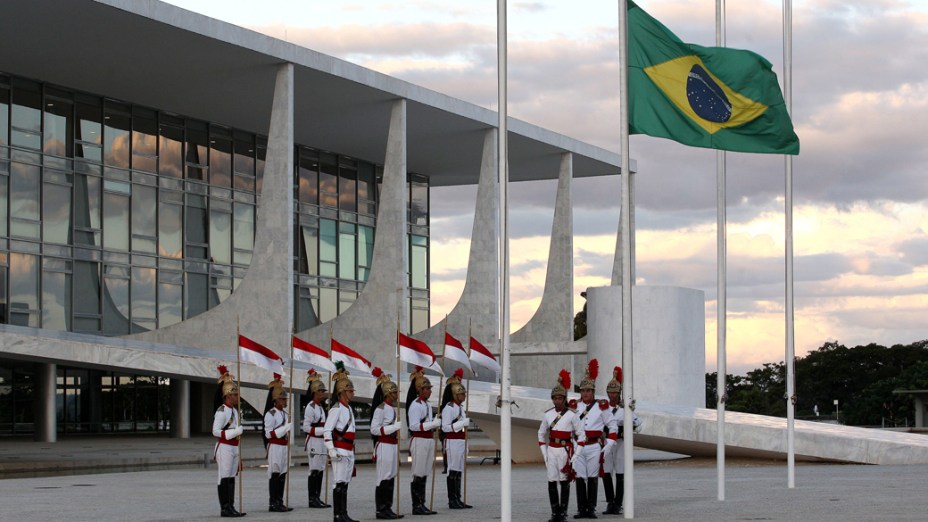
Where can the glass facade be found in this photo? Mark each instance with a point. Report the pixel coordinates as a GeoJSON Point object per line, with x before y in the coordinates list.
{"type": "Point", "coordinates": [117, 219]}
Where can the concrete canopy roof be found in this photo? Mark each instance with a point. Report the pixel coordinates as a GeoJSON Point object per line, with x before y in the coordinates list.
{"type": "Point", "coordinates": [162, 56]}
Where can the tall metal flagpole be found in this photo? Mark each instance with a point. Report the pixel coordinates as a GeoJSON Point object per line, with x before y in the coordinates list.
{"type": "Point", "coordinates": [790, 348]}
{"type": "Point", "coordinates": [627, 260]}
{"type": "Point", "coordinates": [503, 236]}
{"type": "Point", "coordinates": [721, 386]}
{"type": "Point", "coordinates": [441, 381]}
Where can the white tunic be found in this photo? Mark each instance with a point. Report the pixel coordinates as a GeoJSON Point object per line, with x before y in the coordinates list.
{"type": "Point", "coordinates": [421, 449]}
{"type": "Point", "coordinates": [227, 455]}
{"type": "Point", "coordinates": [338, 427]}
{"type": "Point", "coordinates": [614, 461]}
{"type": "Point", "coordinates": [558, 451]}
{"type": "Point", "coordinates": [454, 447]}
{"type": "Point", "coordinates": [313, 423]}
{"type": "Point", "coordinates": [276, 453]}
{"type": "Point", "coordinates": [385, 450]}
{"type": "Point", "coordinates": [595, 419]}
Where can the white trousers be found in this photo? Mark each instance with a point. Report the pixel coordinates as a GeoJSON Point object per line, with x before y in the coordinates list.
{"type": "Point", "coordinates": [343, 467]}
{"type": "Point", "coordinates": [587, 466]}
{"type": "Point", "coordinates": [557, 459]}
{"type": "Point", "coordinates": [277, 459]}
{"type": "Point", "coordinates": [316, 454]}
{"type": "Point", "coordinates": [386, 461]}
{"type": "Point", "coordinates": [227, 458]}
{"type": "Point", "coordinates": [454, 452]}
{"type": "Point", "coordinates": [423, 452]}
{"type": "Point", "coordinates": [615, 459]}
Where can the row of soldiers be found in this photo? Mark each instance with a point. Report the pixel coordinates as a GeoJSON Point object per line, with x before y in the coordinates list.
{"type": "Point", "coordinates": [581, 442]}
{"type": "Point", "coordinates": [331, 435]}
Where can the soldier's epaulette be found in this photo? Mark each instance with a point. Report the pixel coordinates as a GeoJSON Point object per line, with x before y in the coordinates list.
{"type": "Point", "coordinates": [603, 404]}
{"type": "Point", "coordinates": [220, 408]}
{"type": "Point", "coordinates": [380, 406]}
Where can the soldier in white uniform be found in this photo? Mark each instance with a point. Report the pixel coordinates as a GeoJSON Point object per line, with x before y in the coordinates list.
{"type": "Point", "coordinates": [560, 431]}
{"type": "Point", "coordinates": [422, 440]}
{"type": "Point", "coordinates": [614, 461]}
{"type": "Point", "coordinates": [277, 434]}
{"type": "Point", "coordinates": [384, 426]}
{"type": "Point", "coordinates": [313, 422]}
{"type": "Point", "coordinates": [339, 433]}
{"type": "Point", "coordinates": [454, 424]}
{"type": "Point", "coordinates": [596, 420]}
{"type": "Point", "coordinates": [227, 427]}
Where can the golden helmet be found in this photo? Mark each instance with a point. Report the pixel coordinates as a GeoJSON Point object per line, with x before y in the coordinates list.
{"type": "Point", "coordinates": [229, 386]}
{"type": "Point", "coordinates": [419, 379]}
{"type": "Point", "coordinates": [315, 383]}
{"type": "Point", "coordinates": [589, 378]}
{"type": "Point", "coordinates": [277, 388]}
{"type": "Point", "coordinates": [386, 385]}
{"type": "Point", "coordinates": [615, 385]}
{"type": "Point", "coordinates": [341, 380]}
{"type": "Point", "coordinates": [563, 384]}
{"type": "Point", "coordinates": [457, 388]}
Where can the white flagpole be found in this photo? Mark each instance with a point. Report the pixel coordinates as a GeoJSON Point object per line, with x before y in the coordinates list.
{"type": "Point", "coordinates": [790, 338]}
{"type": "Point", "coordinates": [627, 260]}
{"type": "Point", "coordinates": [503, 236]}
{"type": "Point", "coordinates": [721, 281]}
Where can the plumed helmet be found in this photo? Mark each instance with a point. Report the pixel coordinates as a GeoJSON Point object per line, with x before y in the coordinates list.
{"type": "Point", "coordinates": [386, 385]}
{"type": "Point", "coordinates": [563, 384]}
{"type": "Point", "coordinates": [314, 382]}
{"type": "Point", "coordinates": [226, 382]}
{"type": "Point", "coordinates": [457, 389]}
{"type": "Point", "coordinates": [615, 385]}
{"type": "Point", "coordinates": [447, 395]}
{"type": "Point", "coordinates": [589, 378]}
{"type": "Point", "coordinates": [276, 388]}
{"type": "Point", "coordinates": [419, 379]}
{"type": "Point", "coordinates": [340, 378]}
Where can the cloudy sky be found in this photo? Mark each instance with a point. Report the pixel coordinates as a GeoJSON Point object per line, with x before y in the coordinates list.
{"type": "Point", "coordinates": [860, 108]}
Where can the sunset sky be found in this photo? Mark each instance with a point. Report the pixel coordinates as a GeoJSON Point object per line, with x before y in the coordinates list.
{"type": "Point", "coordinates": [860, 108]}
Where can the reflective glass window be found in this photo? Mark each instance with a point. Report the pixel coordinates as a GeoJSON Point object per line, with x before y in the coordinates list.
{"type": "Point", "coordinates": [418, 262]}
{"type": "Point", "coordinates": [170, 150]}
{"type": "Point", "coordinates": [220, 237]}
{"type": "Point", "coordinates": [144, 306]}
{"type": "Point", "coordinates": [4, 116]}
{"type": "Point", "coordinates": [4, 273]}
{"type": "Point", "coordinates": [117, 126]}
{"type": "Point", "coordinates": [144, 218]}
{"type": "Point", "coordinates": [144, 140]}
{"type": "Point", "coordinates": [419, 316]}
{"type": "Point", "coordinates": [347, 186]}
{"type": "Point", "coordinates": [116, 215]}
{"type": "Point", "coordinates": [260, 155]}
{"type": "Point", "coordinates": [170, 303]}
{"type": "Point", "coordinates": [346, 298]}
{"type": "Point", "coordinates": [56, 214]}
{"type": "Point", "coordinates": [24, 289]}
{"type": "Point", "coordinates": [310, 250]}
{"type": "Point", "coordinates": [328, 304]}
{"type": "Point", "coordinates": [196, 288]}
{"type": "Point", "coordinates": [59, 113]}
{"type": "Point", "coordinates": [220, 158]}
{"type": "Point", "coordinates": [116, 303]}
{"type": "Point", "coordinates": [346, 251]}
{"type": "Point", "coordinates": [4, 203]}
{"type": "Point", "coordinates": [25, 180]}
{"type": "Point", "coordinates": [87, 287]}
{"type": "Point", "coordinates": [365, 251]}
{"type": "Point", "coordinates": [89, 129]}
{"type": "Point", "coordinates": [243, 232]}
{"type": "Point", "coordinates": [26, 121]}
{"type": "Point", "coordinates": [197, 150]}
{"type": "Point", "coordinates": [328, 181]}
{"type": "Point", "coordinates": [244, 161]}
{"type": "Point", "coordinates": [366, 189]}
{"type": "Point", "coordinates": [328, 253]}
{"type": "Point", "coordinates": [170, 235]}
{"type": "Point", "coordinates": [196, 226]}
{"type": "Point", "coordinates": [87, 209]}
{"type": "Point", "coordinates": [309, 177]}
{"type": "Point", "coordinates": [419, 203]}
{"type": "Point", "coordinates": [305, 316]}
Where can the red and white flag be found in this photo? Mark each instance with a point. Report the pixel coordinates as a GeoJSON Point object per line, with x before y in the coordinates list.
{"type": "Point", "coordinates": [312, 354]}
{"type": "Point", "coordinates": [254, 353]}
{"type": "Point", "coordinates": [479, 355]}
{"type": "Point", "coordinates": [417, 352]}
{"type": "Point", "coordinates": [454, 350]}
{"type": "Point", "coordinates": [350, 358]}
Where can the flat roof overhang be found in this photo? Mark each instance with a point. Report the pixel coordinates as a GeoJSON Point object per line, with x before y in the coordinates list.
{"type": "Point", "coordinates": [155, 54]}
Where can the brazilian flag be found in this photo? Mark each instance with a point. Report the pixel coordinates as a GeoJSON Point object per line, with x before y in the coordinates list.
{"type": "Point", "coordinates": [712, 97]}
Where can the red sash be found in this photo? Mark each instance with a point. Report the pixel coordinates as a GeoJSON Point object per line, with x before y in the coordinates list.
{"type": "Point", "coordinates": [422, 434]}
{"type": "Point", "coordinates": [454, 435]}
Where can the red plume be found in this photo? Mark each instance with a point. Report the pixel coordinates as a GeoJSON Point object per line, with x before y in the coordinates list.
{"type": "Point", "coordinates": [222, 370]}
{"type": "Point", "coordinates": [459, 373]}
{"type": "Point", "coordinates": [593, 368]}
{"type": "Point", "coordinates": [564, 377]}
{"type": "Point", "coordinates": [277, 376]}
{"type": "Point", "coordinates": [617, 373]}
{"type": "Point", "coordinates": [312, 371]}
{"type": "Point", "coordinates": [376, 372]}
{"type": "Point", "coordinates": [418, 368]}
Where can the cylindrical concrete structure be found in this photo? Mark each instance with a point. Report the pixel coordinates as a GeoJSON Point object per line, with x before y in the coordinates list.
{"type": "Point", "coordinates": [180, 408]}
{"type": "Point", "coordinates": [46, 420]}
{"type": "Point", "coordinates": [669, 341]}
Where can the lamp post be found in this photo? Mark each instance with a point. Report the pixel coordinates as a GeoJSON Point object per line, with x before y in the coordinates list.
{"type": "Point", "coordinates": [837, 412]}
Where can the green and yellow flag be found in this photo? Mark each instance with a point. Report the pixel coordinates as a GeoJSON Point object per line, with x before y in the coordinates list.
{"type": "Point", "coordinates": [712, 97]}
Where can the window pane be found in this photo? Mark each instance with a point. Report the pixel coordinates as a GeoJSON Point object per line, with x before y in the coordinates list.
{"type": "Point", "coordinates": [58, 115]}
{"type": "Point", "coordinates": [116, 309]}
{"type": "Point", "coordinates": [115, 220]}
{"type": "Point", "coordinates": [309, 178]}
{"type": "Point", "coordinates": [220, 237]}
{"type": "Point", "coordinates": [418, 262]}
{"type": "Point", "coordinates": [328, 304]}
{"type": "Point", "coordinates": [170, 302]}
{"type": "Point", "coordinates": [143, 299]}
{"type": "Point", "coordinates": [144, 141]}
{"type": "Point", "coordinates": [89, 130]}
{"type": "Point", "coordinates": [24, 289]}
{"type": "Point", "coordinates": [197, 150]}
{"type": "Point", "coordinates": [56, 214]}
{"type": "Point", "coordinates": [327, 239]}
{"type": "Point", "coordinates": [169, 230]}
{"type": "Point", "coordinates": [243, 232]}
{"type": "Point", "coordinates": [117, 125]}
{"type": "Point", "coordinates": [328, 181]}
{"type": "Point", "coordinates": [4, 115]}
{"type": "Point", "coordinates": [345, 300]}
{"type": "Point", "coordinates": [196, 289]}
{"type": "Point", "coordinates": [87, 205]}
{"type": "Point", "coordinates": [24, 209]}
{"type": "Point", "coordinates": [346, 251]}
{"type": "Point", "coordinates": [365, 251]}
{"type": "Point", "coordinates": [144, 223]}
{"type": "Point", "coordinates": [4, 205]}
{"type": "Point", "coordinates": [170, 158]}
{"type": "Point", "coordinates": [347, 200]}
{"type": "Point", "coordinates": [220, 162]}
{"type": "Point", "coordinates": [260, 154]}
{"type": "Point", "coordinates": [26, 115]}
{"type": "Point", "coordinates": [245, 157]}
{"type": "Point", "coordinates": [310, 251]}
{"type": "Point", "coordinates": [87, 286]}
{"type": "Point", "coordinates": [366, 189]}
{"type": "Point", "coordinates": [196, 225]}
{"type": "Point", "coordinates": [419, 204]}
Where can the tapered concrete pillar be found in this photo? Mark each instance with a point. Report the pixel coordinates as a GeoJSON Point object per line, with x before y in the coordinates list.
{"type": "Point", "coordinates": [180, 409]}
{"type": "Point", "coordinates": [46, 420]}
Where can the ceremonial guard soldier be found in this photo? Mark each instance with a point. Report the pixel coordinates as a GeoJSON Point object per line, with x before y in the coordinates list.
{"type": "Point", "coordinates": [559, 432]}
{"type": "Point", "coordinates": [422, 439]}
{"type": "Point", "coordinates": [277, 439]}
{"type": "Point", "coordinates": [614, 461]}
{"type": "Point", "coordinates": [339, 433]}
{"type": "Point", "coordinates": [385, 424]}
{"type": "Point", "coordinates": [227, 427]}
{"type": "Point", "coordinates": [595, 418]}
{"type": "Point", "coordinates": [454, 424]}
{"type": "Point", "coordinates": [313, 422]}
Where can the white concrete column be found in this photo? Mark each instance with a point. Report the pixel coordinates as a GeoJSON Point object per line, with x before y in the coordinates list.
{"type": "Point", "coordinates": [180, 408]}
{"type": "Point", "coordinates": [46, 420]}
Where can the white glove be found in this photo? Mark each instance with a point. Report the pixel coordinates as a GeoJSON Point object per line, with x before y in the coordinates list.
{"type": "Point", "coordinates": [234, 432]}
{"type": "Point", "coordinates": [577, 456]}
{"type": "Point", "coordinates": [392, 428]}
{"type": "Point", "coordinates": [333, 454]}
{"type": "Point", "coordinates": [431, 425]}
{"type": "Point", "coordinates": [457, 426]}
{"type": "Point", "coordinates": [608, 446]}
{"type": "Point", "coordinates": [544, 452]}
{"type": "Point", "coordinates": [283, 430]}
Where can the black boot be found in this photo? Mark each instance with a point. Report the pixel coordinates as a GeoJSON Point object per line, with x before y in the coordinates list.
{"type": "Point", "coordinates": [388, 498]}
{"type": "Point", "coordinates": [452, 498]}
{"type": "Point", "coordinates": [384, 496]}
{"type": "Point", "coordinates": [316, 494]}
{"type": "Point", "coordinates": [230, 495]}
{"type": "Point", "coordinates": [223, 501]}
{"type": "Point", "coordinates": [418, 499]}
{"type": "Point", "coordinates": [378, 502]}
{"type": "Point", "coordinates": [343, 500]}
{"type": "Point", "coordinates": [281, 487]}
{"type": "Point", "coordinates": [610, 495]}
{"type": "Point", "coordinates": [619, 492]}
{"type": "Point", "coordinates": [555, 502]}
{"type": "Point", "coordinates": [456, 482]}
{"type": "Point", "coordinates": [272, 492]}
{"type": "Point", "coordinates": [592, 489]}
{"type": "Point", "coordinates": [581, 498]}
{"type": "Point", "coordinates": [565, 499]}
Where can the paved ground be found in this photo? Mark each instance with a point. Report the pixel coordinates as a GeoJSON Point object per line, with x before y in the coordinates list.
{"type": "Point", "coordinates": [665, 490]}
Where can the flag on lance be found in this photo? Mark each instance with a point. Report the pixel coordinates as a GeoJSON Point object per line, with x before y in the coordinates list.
{"type": "Point", "coordinates": [251, 352]}
{"type": "Point", "coordinates": [481, 356]}
{"type": "Point", "coordinates": [312, 354]}
{"type": "Point", "coordinates": [350, 358]}
{"type": "Point", "coordinates": [454, 350]}
{"type": "Point", "coordinates": [417, 352]}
